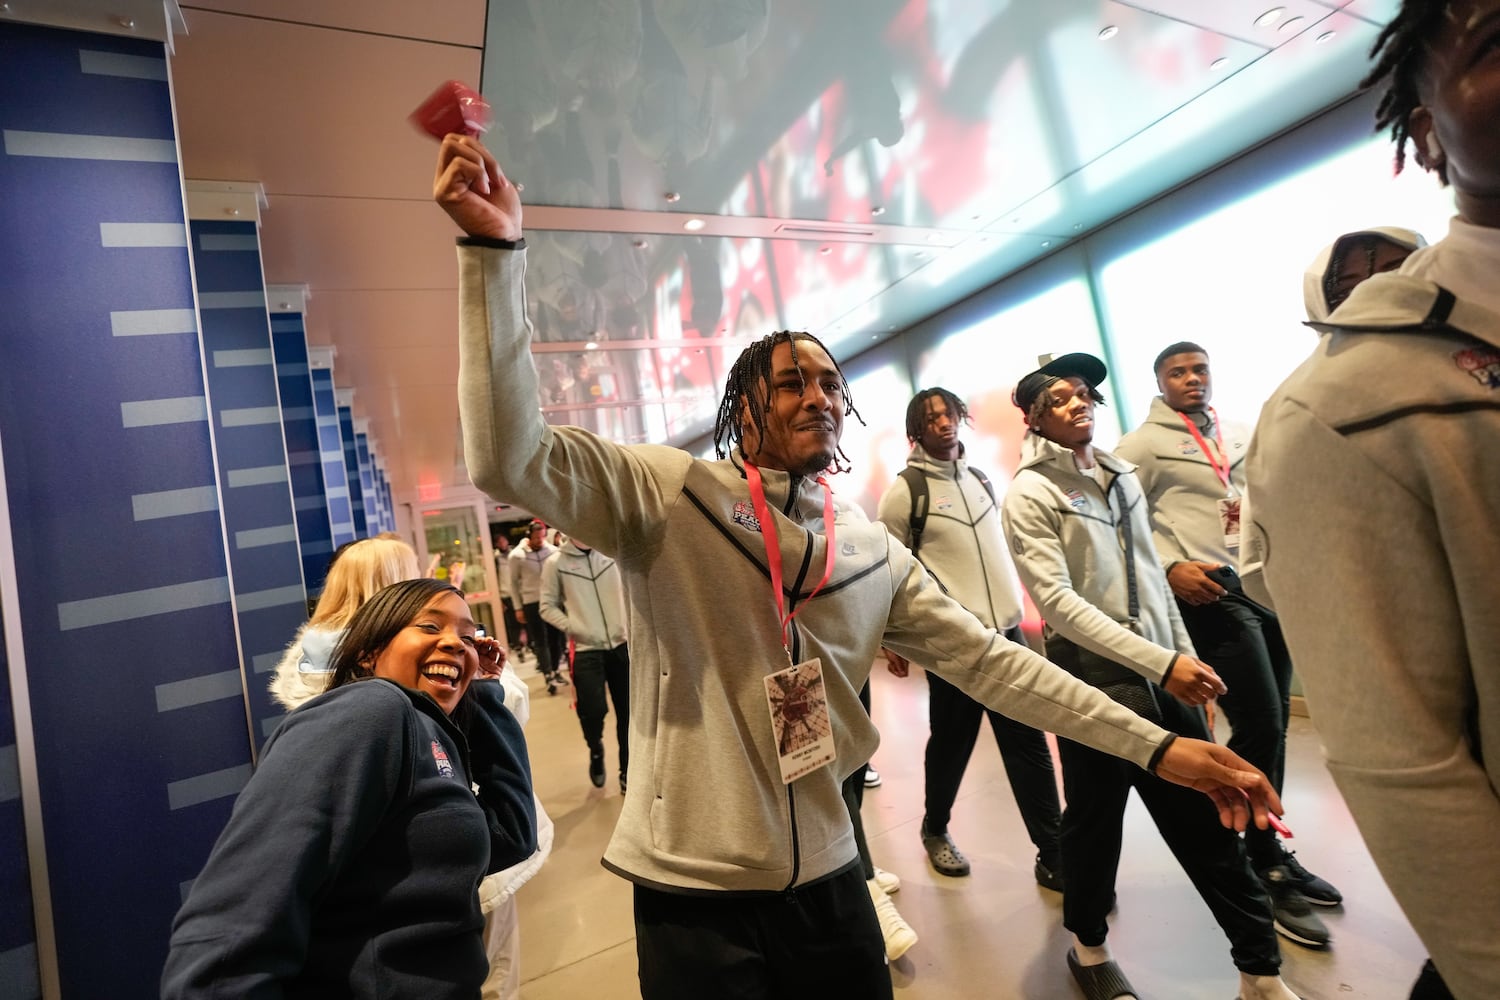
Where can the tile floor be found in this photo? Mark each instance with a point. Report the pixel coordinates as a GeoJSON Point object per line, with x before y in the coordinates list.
{"type": "Point", "coordinates": [994, 934]}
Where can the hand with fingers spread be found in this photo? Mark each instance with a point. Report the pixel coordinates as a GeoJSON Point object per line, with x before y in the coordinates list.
{"type": "Point", "coordinates": [472, 189]}
{"type": "Point", "coordinates": [1193, 682]}
{"type": "Point", "coordinates": [492, 656]}
{"type": "Point", "coordinates": [1240, 792]}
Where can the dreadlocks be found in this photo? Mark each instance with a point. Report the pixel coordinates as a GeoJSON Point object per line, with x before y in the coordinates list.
{"type": "Point", "coordinates": [916, 411]}
{"type": "Point", "coordinates": [749, 382]}
{"type": "Point", "coordinates": [1402, 48]}
{"type": "Point", "coordinates": [1043, 402]}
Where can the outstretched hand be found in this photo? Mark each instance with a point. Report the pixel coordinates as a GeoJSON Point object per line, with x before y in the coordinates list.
{"type": "Point", "coordinates": [1240, 792]}
{"type": "Point", "coordinates": [492, 656]}
{"type": "Point", "coordinates": [472, 189]}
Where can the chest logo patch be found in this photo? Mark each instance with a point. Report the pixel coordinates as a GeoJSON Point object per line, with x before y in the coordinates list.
{"type": "Point", "coordinates": [440, 758]}
{"type": "Point", "coordinates": [1076, 499]}
{"type": "Point", "coordinates": [744, 516]}
{"type": "Point", "coordinates": [943, 503]}
{"type": "Point", "coordinates": [1481, 362]}
{"type": "Point", "coordinates": [848, 549]}
{"type": "Point", "coordinates": [1187, 447]}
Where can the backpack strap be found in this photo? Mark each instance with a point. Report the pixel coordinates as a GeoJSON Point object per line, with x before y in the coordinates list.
{"type": "Point", "coordinates": [916, 484]}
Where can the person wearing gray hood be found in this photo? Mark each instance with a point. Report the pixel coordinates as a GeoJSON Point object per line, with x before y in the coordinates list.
{"type": "Point", "coordinates": [1191, 464]}
{"type": "Point", "coordinates": [1377, 496]}
{"type": "Point", "coordinates": [1340, 266]}
{"type": "Point", "coordinates": [1078, 525]}
{"type": "Point", "coordinates": [581, 596]}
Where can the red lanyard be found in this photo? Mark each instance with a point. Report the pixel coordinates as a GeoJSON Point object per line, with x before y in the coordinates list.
{"type": "Point", "coordinates": [1222, 473]}
{"type": "Point", "coordinates": [773, 546]}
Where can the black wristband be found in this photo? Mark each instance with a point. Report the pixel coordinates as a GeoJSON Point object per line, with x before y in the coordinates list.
{"type": "Point", "coordinates": [492, 243]}
{"type": "Point", "coordinates": [1161, 751]}
{"type": "Point", "coordinates": [1168, 675]}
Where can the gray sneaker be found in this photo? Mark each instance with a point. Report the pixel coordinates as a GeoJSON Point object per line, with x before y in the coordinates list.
{"type": "Point", "coordinates": [1294, 918]}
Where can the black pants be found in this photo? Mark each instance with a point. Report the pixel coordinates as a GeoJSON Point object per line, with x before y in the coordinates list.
{"type": "Point", "coordinates": [512, 627]}
{"type": "Point", "coordinates": [854, 798]}
{"type": "Point", "coordinates": [593, 671]}
{"type": "Point", "coordinates": [819, 942]}
{"type": "Point", "coordinates": [547, 643]}
{"type": "Point", "coordinates": [955, 718]}
{"type": "Point", "coordinates": [1242, 641]}
{"type": "Point", "coordinates": [1213, 857]}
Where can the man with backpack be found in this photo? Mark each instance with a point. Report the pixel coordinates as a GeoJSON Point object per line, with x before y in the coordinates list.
{"type": "Point", "coordinates": [944, 510]}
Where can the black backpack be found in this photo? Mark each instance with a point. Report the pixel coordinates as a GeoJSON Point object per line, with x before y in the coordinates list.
{"type": "Point", "coordinates": [916, 484]}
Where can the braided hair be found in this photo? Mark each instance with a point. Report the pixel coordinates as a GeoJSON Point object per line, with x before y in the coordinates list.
{"type": "Point", "coordinates": [1043, 403]}
{"type": "Point", "coordinates": [750, 381]}
{"type": "Point", "coordinates": [916, 411]}
{"type": "Point", "coordinates": [1402, 50]}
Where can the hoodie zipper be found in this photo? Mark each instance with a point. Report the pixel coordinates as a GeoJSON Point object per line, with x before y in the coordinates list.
{"type": "Point", "coordinates": [794, 648]}
{"type": "Point", "coordinates": [989, 595]}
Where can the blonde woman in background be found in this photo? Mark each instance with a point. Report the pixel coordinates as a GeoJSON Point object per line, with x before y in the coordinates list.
{"type": "Point", "coordinates": [357, 572]}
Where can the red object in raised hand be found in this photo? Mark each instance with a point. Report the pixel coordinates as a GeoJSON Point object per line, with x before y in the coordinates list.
{"type": "Point", "coordinates": [453, 107]}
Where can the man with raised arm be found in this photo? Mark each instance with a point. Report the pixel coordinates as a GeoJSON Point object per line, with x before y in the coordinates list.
{"type": "Point", "coordinates": [758, 603]}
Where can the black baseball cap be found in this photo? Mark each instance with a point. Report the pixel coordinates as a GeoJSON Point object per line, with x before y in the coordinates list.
{"type": "Point", "coordinates": [1084, 366]}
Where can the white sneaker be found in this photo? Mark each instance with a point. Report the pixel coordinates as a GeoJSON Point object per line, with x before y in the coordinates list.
{"type": "Point", "coordinates": [872, 777]}
{"type": "Point", "coordinates": [888, 881]}
{"type": "Point", "coordinates": [1264, 988]}
{"type": "Point", "coordinates": [899, 937]}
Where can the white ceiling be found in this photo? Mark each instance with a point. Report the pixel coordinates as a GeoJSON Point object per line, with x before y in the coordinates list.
{"type": "Point", "coordinates": [1019, 129]}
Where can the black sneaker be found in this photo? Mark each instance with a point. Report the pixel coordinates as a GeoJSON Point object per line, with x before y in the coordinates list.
{"type": "Point", "coordinates": [596, 767]}
{"type": "Point", "coordinates": [944, 854]}
{"type": "Point", "coordinates": [622, 782]}
{"type": "Point", "coordinates": [1294, 919]}
{"type": "Point", "coordinates": [1047, 878]}
{"type": "Point", "coordinates": [1317, 891]}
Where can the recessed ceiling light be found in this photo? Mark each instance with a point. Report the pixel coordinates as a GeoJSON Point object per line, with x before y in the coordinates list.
{"type": "Point", "coordinates": [825, 251]}
{"type": "Point", "coordinates": [1108, 31]}
{"type": "Point", "coordinates": [1326, 36]}
{"type": "Point", "coordinates": [920, 255]}
{"type": "Point", "coordinates": [591, 346]}
{"type": "Point", "coordinates": [874, 336]}
{"type": "Point", "coordinates": [672, 197]}
{"type": "Point", "coordinates": [639, 244]}
{"type": "Point", "coordinates": [1270, 17]}
{"type": "Point", "coordinates": [877, 209]}
{"type": "Point", "coordinates": [1046, 244]}
{"type": "Point", "coordinates": [1291, 24]}
{"type": "Point", "coordinates": [693, 225]}
{"type": "Point", "coordinates": [1218, 63]}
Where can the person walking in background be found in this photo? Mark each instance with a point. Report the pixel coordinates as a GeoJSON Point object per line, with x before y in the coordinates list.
{"type": "Point", "coordinates": [547, 644]}
{"type": "Point", "coordinates": [582, 597]}
{"type": "Point", "coordinates": [1081, 534]}
{"type": "Point", "coordinates": [1191, 465]}
{"type": "Point", "coordinates": [945, 512]}
{"type": "Point", "coordinates": [1375, 510]}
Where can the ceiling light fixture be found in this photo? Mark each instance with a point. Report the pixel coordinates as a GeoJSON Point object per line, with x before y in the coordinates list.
{"type": "Point", "coordinates": [639, 244]}
{"type": "Point", "coordinates": [1270, 17]}
{"type": "Point", "coordinates": [693, 225]}
{"type": "Point", "coordinates": [1218, 64]}
{"type": "Point", "coordinates": [672, 197]}
{"type": "Point", "coordinates": [592, 345]}
{"type": "Point", "coordinates": [825, 251]}
{"type": "Point", "coordinates": [1291, 24]}
{"type": "Point", "coordinates": [1108, 31]}
{"type": "Point", "coordinates": [1326, 36]}
{"type": "Point", "coordinates": [877, 209]}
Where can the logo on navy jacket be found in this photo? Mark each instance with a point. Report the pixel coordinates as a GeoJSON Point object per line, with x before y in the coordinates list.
{"type": "Point", "coordinates": [744, 516]}
{"type": "Point", "coordinates": [1481, 362]}
{"type": "Point", "coordinates": [1076, 499]}
{"type": "Point", "coordinates": [440, 757]}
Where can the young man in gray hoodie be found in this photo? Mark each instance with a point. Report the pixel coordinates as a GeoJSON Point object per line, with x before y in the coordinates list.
{"type": "Point", "coordinates": [745, 712]}
{"type": "Point", "coordinates": [1081, 535]}
{"type": "Point", "coordinates": [1191, 465]}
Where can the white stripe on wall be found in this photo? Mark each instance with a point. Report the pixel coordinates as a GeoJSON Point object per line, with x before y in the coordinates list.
{"type": "Point", "coordinates": [119, 64]}
{"type": "Point", "coordinates": [254, 538]}
{"type": "Point", "coordinates": [142, 603]}
{"type": "Point", "coordinates": [60, 145]}
{"type": "Point", "coordinates": [155, 412]}
{"type": "Point", "coordinates": [263, 475]}
{"type": "Point", "coordinates": [242, 359]}
{"type": "Point", "coordinates": [250, 416]}
{"type": "Point", "coordinates": [173, 503]}
{"type": "Point", "coordinates": [207, 787]}
{"type": "Point", "coordinates": [231, 300]}
{"type": "Point", "coordinates": [228, 241]}
{"type": "Point", "coordinates": [199, 690]}
{"type": "Point", "coordinates": [147, 322]}
{"type": "Point", "coordinates": [297, 413]}
{"type": "Point", "coordinates": [142, 234]}
{"type": "Point", "coordinates": [290, 367]}
{"type": "Point", "coordinates": [259, 600]}
{"type": "Point", "coordinates": [312, 501]}
{"type": "Point", "coordinates": [304, 457]}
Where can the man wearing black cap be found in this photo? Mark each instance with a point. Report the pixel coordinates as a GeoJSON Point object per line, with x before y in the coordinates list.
{"type": "Point", "coordinates": [1081, 535]}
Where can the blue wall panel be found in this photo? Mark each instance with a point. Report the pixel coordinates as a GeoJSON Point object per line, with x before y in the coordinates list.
{"type": "Point", "coordinates": [351, 469]}
{"type": "Point", "coordinates": [264, 561]}
{"type": "Point", "coordinates": [118, 545]}
{"type": "Point", "coordinates": [331, 447]}
{"type": "Point", "coordinates": [299, 424]}
{"type": "Point", "coordinates": [367, 484]}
